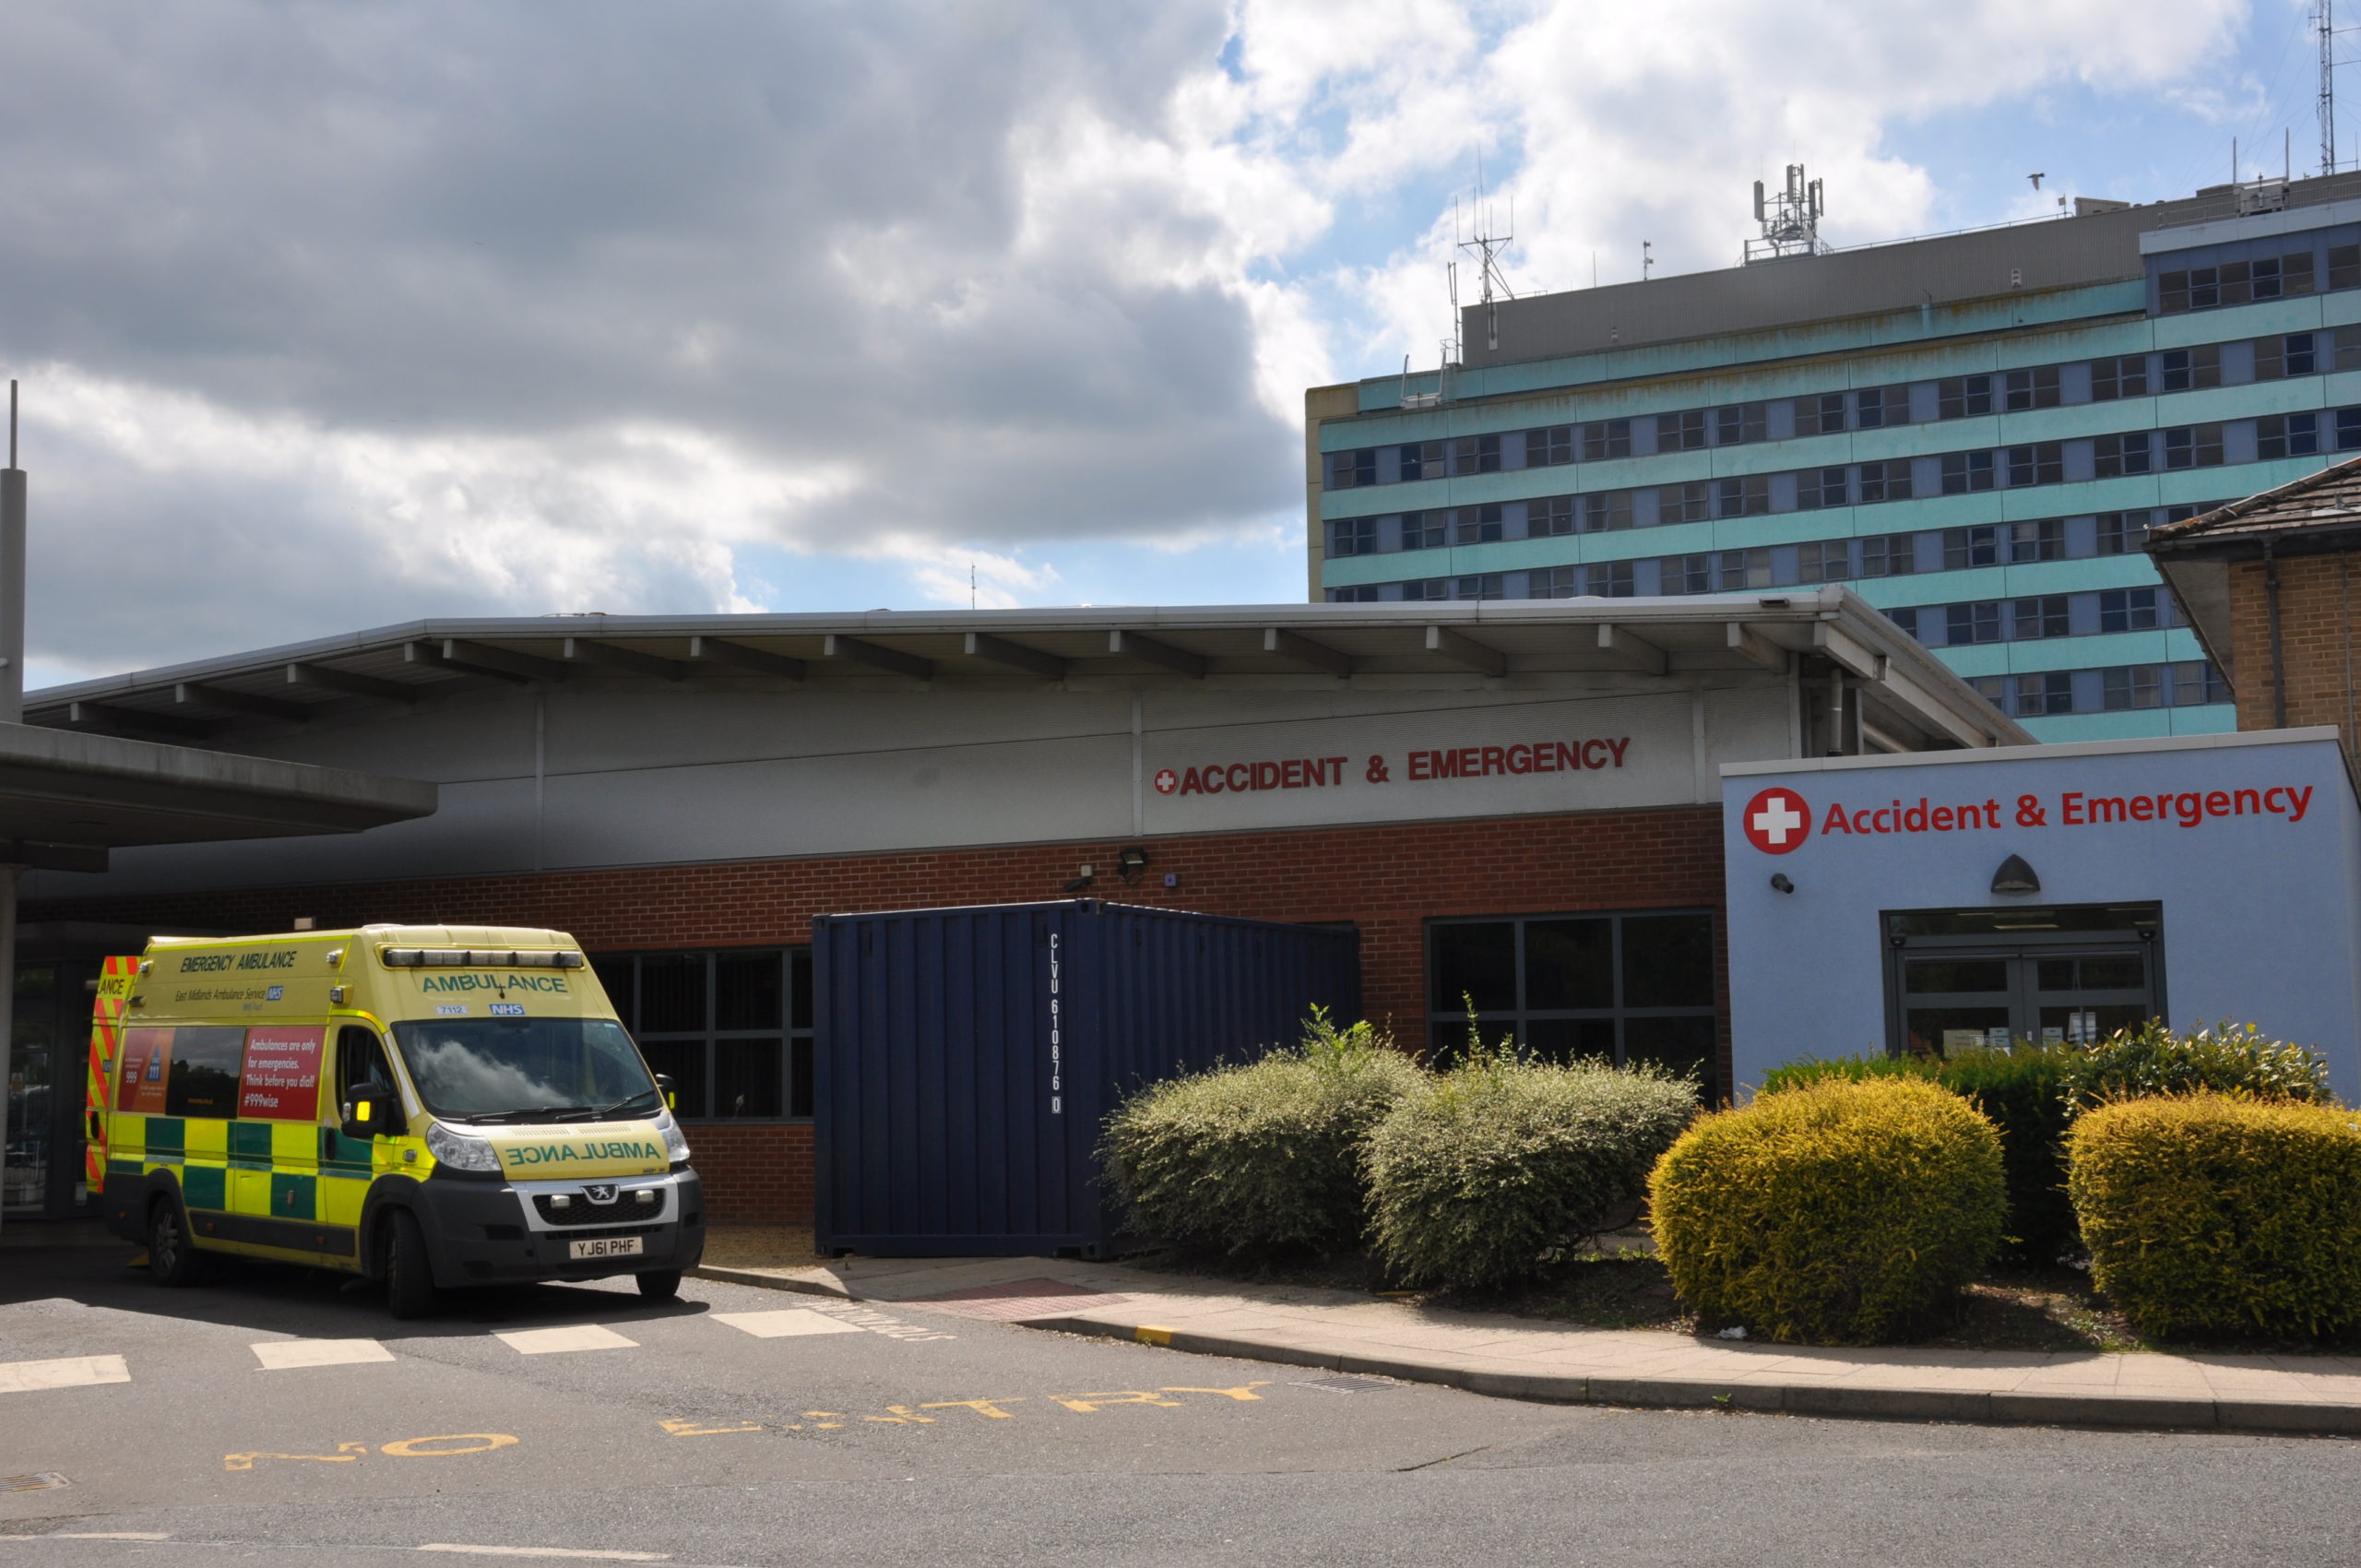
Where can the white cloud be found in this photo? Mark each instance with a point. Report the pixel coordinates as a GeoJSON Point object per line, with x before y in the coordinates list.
{"type": "Point", "coordinates": [377, 314]}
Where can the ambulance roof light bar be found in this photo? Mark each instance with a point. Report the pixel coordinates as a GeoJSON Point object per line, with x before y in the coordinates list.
{"type": "Point", "coordinates": [476, 959]}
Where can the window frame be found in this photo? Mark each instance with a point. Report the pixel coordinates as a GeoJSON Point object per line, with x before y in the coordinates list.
{"type": "Point", "coordinates": [1619, 1013]}
{"type": "Point", "coordinates": [795, 1040]}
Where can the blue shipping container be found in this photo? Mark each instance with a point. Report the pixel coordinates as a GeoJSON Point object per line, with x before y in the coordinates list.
{"type": "Point", "coordinates": [965, 1060]}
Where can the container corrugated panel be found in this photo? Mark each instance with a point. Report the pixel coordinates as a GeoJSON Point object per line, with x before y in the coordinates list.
{"type": "Point", "coordinates": [965, 1060]}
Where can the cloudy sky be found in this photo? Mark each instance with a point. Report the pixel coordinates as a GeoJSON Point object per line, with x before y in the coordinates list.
{"type": "Point", "coordinates": [334, 315]}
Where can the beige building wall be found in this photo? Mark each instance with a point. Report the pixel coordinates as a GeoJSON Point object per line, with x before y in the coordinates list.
{"type": "Point", "coordinates": [1320, 404]}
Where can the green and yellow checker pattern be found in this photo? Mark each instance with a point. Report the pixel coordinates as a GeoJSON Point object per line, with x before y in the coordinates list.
{"type": "Point", "coordinates": [274, 1188]}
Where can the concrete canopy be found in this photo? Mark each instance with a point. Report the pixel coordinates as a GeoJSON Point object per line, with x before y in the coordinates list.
{"type": "Point", "coordinates": [67, 797]}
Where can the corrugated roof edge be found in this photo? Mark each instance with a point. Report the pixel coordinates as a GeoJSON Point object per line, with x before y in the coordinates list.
{"type": "Point", "coordinates": [1836, 607]}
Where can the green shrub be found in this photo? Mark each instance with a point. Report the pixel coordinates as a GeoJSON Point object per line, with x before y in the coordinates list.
{"type": "Point", "coordinates": [1843, 1211]}
{"type": "Point", "coordinates": [2207, 1214]}
{"type": "Point", "coordinates": [1261, 1156]}
{"type": "Point", "coordinates": [2232, 1059]}
{"type": "Point", "coordinates": [1852, 1069]}
{"type": "Point", "coordinates": [1499, 1165]}
{"type": "Point", "coordinates": [2023, 1091]}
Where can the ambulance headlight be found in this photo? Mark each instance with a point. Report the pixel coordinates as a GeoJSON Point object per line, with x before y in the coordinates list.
{"type": "Point", "coordinates": [458, 1151]}
{"type": "Point", "coordinates": [676, 1143]}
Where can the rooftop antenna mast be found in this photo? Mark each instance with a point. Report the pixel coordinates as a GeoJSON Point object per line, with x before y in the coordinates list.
{"type": "Point", "coordinates": [1790, 219]}
{"type": "Point", "coordinates": [1487, 247]}
{"type": "Point", "coordinates": [2324, 24]}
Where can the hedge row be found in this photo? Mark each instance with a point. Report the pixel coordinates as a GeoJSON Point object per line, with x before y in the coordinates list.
{"type": "Point", "coordinates": [2211, 1178]}
{"type": "Point", "coordinates": [1473, 1177]}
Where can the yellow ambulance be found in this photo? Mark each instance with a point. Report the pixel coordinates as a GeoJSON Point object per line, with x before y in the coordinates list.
{"type": "Point", "coordinates": [427, 1106]}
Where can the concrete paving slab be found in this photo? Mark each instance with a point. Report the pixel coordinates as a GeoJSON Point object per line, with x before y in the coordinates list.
{"type": "Point", "coordinates": [1507, 1357]}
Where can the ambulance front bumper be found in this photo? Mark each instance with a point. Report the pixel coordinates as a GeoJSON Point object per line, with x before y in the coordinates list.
{"type": "Point", "coordinates": [514, 1232]}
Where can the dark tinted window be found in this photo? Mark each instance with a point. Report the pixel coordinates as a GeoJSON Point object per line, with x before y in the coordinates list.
{"type": "Point", "coordinates": [1475, 962]}
{"type": "Point", "coordinates": [204, 1080]}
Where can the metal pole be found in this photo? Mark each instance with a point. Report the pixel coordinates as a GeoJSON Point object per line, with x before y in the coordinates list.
{"type": "Point", "coordinates": [12, 711]}
{"type": "Point", "coordinates": [8, 1096]}
{"type": "Point", "coordinates": [12, 578]}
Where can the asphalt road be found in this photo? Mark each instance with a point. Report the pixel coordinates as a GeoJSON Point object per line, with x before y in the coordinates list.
{"type": "Point", "coordinates": [911, 1436]}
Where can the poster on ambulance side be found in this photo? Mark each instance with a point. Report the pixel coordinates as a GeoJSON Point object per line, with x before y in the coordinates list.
{"type": "Point", "coordinates": [280, 1080]}
{"type": "Point", "coordinates": [147, 1062]}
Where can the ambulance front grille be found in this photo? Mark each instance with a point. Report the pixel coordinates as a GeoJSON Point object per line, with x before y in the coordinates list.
{"type": "Point", "coordinates": [579, 1210]}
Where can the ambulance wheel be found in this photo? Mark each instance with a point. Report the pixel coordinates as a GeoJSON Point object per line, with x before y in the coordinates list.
{"type": "Point", "coordinates": [171, 1259]}
{"type": "Point", "coordinates": [410, 1279]}
{"type": "Point", "coordinates": [660, 1284]}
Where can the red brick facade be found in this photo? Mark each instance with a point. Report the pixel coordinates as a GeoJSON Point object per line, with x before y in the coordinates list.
{"type": "Point", "coordinates": [2319, 641]}
{"type": "Point", "coordinates": [1389, 881]}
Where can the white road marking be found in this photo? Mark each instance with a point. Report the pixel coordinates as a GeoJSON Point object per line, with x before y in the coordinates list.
{"type": "Point", "coordinates": [72, 1371]}
{"type": "Point", "coordinates": [783, 1324]}
{"type": "Point", "coordinates": [863, 1318]}
{"type": "Point", "coordinates": [281, 1355]}
{"type": "Point", "coordinates": [548, 1551]}
{"type": "Point", "coordinates": [106, 1535]}
{"type": "Point", "coordinates": [549, 1341]}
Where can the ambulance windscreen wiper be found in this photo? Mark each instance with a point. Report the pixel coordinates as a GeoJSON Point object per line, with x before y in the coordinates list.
{"type": "Point", "coordinates": [603, 1113]}
{"type": "Point", "coordinates": [532, 1113]}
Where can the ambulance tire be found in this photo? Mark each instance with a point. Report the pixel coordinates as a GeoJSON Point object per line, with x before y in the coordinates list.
{"type": "Point", "coordinates": [660, 1284]}
{"type": "Point", "coordinates": [171, 1256]}
{"type": "Point", "coordinates": [410, 1278]}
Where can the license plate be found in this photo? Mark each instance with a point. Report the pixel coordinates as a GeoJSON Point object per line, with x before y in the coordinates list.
{"type": "Point", "coordinates": [605, 1247]}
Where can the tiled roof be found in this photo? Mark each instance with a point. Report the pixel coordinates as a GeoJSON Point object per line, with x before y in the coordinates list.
{"type": "Point", "coordinates": [2320, 504]}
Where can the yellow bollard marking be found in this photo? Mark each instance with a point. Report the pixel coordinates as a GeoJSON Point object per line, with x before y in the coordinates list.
{"type": "Point", "coordinates": [346, 1453]}
{"type": "Point", "coordinates": [1088, 1404]}
{"type": "Point", "coordinates": [1146, 1333]}
{"type": "Point", "coordinates": [991, 1407]}
{"type": "Point", "coordinates": [688, 1426]}
{"type": "Point", "coordinates": [481, 1442]}
{"type": "Point", "coordinates": [1243, 1392]}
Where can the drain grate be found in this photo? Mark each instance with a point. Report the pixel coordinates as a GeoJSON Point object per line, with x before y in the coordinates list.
{"type": "Point", "coordinates": [47, 1480]}
{"type": "Point", "coordinates": [1346, 1385]}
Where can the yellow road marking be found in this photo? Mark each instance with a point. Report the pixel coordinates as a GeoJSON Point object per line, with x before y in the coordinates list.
{"type": "Point", "coordinates": [547, 1551]}
{"type": "Point", "coordinates": [1088, 1404]}
{"type": "Point", "coordinates": [982, 1406]}
{"type": "Point", "coordinates": [903, 1415]}
{"type": "Point", "coordinates": [1244, 1391]}
{"type": "Point", "coordinates": [684, 1426]}
{"type": "Point", "coordinates": [346, 1453]}
{"type": "Point", "coordinates": [483, 1443]}
{"type": "Point", "coordinates": [1147, 1334]}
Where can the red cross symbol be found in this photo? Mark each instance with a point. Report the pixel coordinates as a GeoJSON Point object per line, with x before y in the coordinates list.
{"type": "Point", "coordinates": [1777, 821]}
{"type": "Point", "coordinates": [1167, 781]}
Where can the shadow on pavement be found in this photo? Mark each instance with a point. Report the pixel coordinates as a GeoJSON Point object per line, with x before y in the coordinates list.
{"type": "Point", "coordinates": [275, 1298]}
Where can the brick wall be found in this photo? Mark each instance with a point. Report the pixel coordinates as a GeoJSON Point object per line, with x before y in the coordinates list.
{"type": "Point", "coordinates": [1387, 880]}
{"type": "Point", "coordinates": [2320, 631]}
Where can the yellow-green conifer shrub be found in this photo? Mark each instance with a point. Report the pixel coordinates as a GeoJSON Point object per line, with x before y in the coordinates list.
{"type": "Point", "coordinates": [1842, 1212]}
{"type": "Point", "coordinates": [2209, 1214]}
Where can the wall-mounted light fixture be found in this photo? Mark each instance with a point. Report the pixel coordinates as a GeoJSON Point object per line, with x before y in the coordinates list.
{"type": "Point", "coordinates": [1130, 862]}
{"type": "Point", "coordinates": [1779, 881]}
{"type": "Point", "coordinates": [1081, 884]}
{"type": "Point", "coordinates": [2015, 876]}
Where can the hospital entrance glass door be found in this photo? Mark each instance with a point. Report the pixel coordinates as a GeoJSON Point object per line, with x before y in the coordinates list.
{"type": "Point", "coordinates": [1964, 978]}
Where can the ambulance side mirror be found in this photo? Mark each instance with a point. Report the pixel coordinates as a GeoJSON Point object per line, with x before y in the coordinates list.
{"type": "Point", "coordinates": [369, 1112]}
{"type": "Point", "coordinates": [670, 1090]}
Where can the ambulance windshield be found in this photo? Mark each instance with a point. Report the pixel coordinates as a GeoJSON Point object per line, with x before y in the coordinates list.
{"type": "Point", "coordinates": [526, 1069]}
